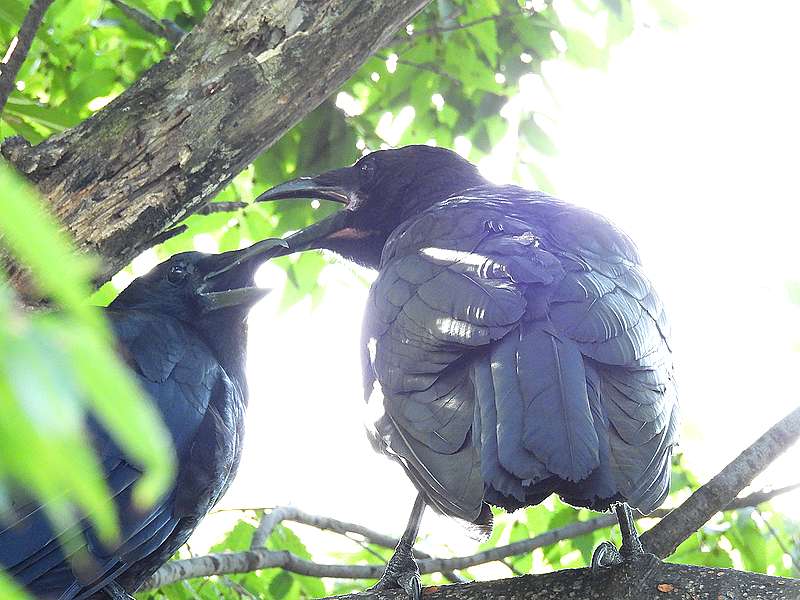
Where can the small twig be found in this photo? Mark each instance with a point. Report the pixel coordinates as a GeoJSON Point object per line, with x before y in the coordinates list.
{"type": "Point", "coordinates": [760, 497]}
{"type": "Point", "coordinates": [424, 67]}
{"type": "Point", "coordinates": [165, 29]}
{"type": "Point", "coordinates": [777, 538]}
{"type": "Point", "coordinates": [217, 207]}
{"type": "Point", "coordinates": [664, 537]}
{"type": "Point", "coordinates": [512, 568]}
{"type": "Point", "coordinates": [459, 26]}
{"type": "Point", "coordinates": [364, 545]}
{"type": "Point", "coordinates": [242, 509]}
{"type": "Point", "coordinates": [240, 589]}
{"type": "Point", "coordinates": [290, 513]}
{"type": "Point", "coordinates": [18, 50]}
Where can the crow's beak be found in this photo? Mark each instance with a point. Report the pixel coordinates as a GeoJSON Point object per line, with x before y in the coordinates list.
{"type": "Point", "coordinates": [230, 282]}
{"type": "Point", "coordinates": [248, 296]}
{"type": "Point", "coordinates": [337, 185]}
{"type": "Point", "coordinates": [328, 186]}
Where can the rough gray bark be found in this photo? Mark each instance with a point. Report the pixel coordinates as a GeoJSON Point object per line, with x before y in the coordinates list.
{"type": "Point", "coordinates": [645, 579]}
{"type": "Point", "coordinates": [232, 87]}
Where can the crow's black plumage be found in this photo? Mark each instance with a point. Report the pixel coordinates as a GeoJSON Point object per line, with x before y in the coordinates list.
{"type": "Point", "coordinates": [512, 344]}
{"type": "Point", "coordinates": [182, 329]}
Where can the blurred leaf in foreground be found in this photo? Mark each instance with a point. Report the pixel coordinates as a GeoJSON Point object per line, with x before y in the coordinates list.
{"type": "Point", "coordinates": [54, 366]}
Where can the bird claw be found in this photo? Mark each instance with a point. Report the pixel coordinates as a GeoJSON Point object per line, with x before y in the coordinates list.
{"type": "Point", "coordinates": [604, 557]}
{"type": "Point", "coordinates": [401, 572]}
{"type": "Point", "coordinates": [412, 584]}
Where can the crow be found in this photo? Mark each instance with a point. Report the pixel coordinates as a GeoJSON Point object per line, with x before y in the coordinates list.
{"type": "Point", "coordinates": [512, 345]}
{"type": "Point", "coordinates": [182, 329]}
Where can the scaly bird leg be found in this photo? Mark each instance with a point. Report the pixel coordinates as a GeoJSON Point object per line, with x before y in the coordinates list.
{"type": "Point", "coordinates": [606, 555]}
{"type": "Point", "coordinates": [402, 570]}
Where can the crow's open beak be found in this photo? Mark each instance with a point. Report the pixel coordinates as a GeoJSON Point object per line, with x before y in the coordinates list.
{"type": "Point", "coordinates": [230, 282]}
{"type": "Point", "coordinates": [336, 185]}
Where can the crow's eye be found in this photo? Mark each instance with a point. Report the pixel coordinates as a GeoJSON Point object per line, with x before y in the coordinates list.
{"type": "Point", "coordinates": [177, 273]}
{"type": "Point", "coordinates": [367, 169]}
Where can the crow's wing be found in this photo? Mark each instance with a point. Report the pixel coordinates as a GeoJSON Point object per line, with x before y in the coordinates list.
{"type": "Point", "coordinates": [180, 375]}
{"type": "Point", "coordinates": [474, 384]}
{"type": "Point", "coordinates": [609, 310]}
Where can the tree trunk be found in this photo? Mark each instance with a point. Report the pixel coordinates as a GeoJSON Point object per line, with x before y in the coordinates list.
{"type": "Point", "coordinates": [645, 579]}
{"type": "Point", "coordinates": [232, 87]}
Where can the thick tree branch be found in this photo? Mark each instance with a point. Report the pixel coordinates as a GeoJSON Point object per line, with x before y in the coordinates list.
{"type": "Point", "coordinates": [18, 50]}
{"type": "Point", "coordinates": [666, 536]}
{"type": "Point", "coordinates": [641, 580]}
{"type": "Point", "coordinates": [165, 29]}
{"type": "Point", "coordinates": [645, 579]}
{"type": "Point", "coordinates": [235, 84]}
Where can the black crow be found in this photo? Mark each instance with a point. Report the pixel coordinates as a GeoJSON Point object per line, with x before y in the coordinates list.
{"type": "Point", "coordinates": [182, 329]}
{"type": "Point", "coordinates": [512, 345]}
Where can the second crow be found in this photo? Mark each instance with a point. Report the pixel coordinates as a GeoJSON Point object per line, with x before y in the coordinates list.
{"type": "Point", "coordinates": [512, 345]}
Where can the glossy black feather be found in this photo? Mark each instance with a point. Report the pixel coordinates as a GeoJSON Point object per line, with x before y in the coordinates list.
{"type": "Point", "coordinates": [546, 310]}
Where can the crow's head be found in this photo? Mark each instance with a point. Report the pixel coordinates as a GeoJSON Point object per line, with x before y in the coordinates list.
{"type": "Point", "coordinates": [193, 286]}
{"type": "Point", "coordinates": [380, 191]}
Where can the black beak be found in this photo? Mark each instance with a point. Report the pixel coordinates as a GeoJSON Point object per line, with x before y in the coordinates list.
{"type": "Point", "coordinates": [328, 186]}
{"type": "Point", "coordinates": [336, 185]}
{"type": "Point", "coordinates": [230, 280]}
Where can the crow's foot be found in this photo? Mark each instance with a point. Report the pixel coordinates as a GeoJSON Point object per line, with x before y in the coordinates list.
{"type": "Point", "coordinates": [401, 572]}
{"type": "Point", "coordinates": [606, 555]}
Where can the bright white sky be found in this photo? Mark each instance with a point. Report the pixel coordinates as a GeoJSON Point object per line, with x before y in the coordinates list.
{"type": "Point", "coordinates": [690, 143]}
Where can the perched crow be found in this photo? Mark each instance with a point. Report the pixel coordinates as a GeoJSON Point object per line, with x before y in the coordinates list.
{"type": "Point", "coordinates": [512, 344]}
{"type": "Point", "coordinates": [182, 328]}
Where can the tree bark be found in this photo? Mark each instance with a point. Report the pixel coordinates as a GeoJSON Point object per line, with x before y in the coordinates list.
{"type": "Point", "coordinates": [231, 88]}
{"type": "Point", "coordinates": [644, 579]}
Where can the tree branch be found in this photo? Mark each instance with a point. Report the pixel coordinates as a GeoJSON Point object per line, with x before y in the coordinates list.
{"type": "Point", "coordinates": [217, 207]}
{"type": "Point", "coordinates": [774, 534]}
{"type": "Point", "coordinates": [259, 558]}
{"type": "Point", "coordinates": [289, 513]}
{"type": "Point", "coordinates": [165, 29]}
{"type": "Point", "coordinates": [645, 578]}
{"type": "Point", "coordinates": [459, 26]}
{"type": "Point", "coordinates": [424, 67]}
{"type": "Point", "coordinates": [667, 534]}
{"type": "Point", "coordinates": [642, 579]}
{"type": "Point", "coordinates": [19, 48]}
{"type": "Point", "coordinates": [235, 84]}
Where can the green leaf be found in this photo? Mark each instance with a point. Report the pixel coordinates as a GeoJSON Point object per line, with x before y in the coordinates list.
{"type": "Point", "coordinates": [537, 137]}
{"type": "Point", "coordinates": [9, 590]}
{"type": "Point", "coordinates": [68, 366]}
{"type": "Point", "coordinates": [280, 586]}
{"type": "Point", "coordinates": [54, 118]}
{"type": "Point", "coordinates": [237, 539]}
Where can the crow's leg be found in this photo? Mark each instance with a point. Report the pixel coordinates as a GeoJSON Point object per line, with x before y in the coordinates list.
{"type": "Point", "coordinates": [631, 545]}
{"type": "Point", "coordinates": [401, 570]}
{"type": "Point", "coordinates": [606, 555]}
